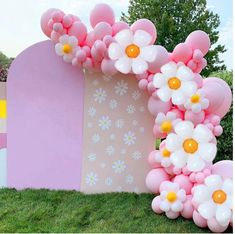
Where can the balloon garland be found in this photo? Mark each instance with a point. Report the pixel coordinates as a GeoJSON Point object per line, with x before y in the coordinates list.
{"type": "Point", "coordinates": [188, 109]}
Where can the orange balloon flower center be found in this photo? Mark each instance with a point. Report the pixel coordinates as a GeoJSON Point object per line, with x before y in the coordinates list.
{"type": "Point", "coordinates": [67, 48]}
{"type": "Point", "coordinates": [219, 196]}
{"type": "Point", "coordinates": [190, 146]}
{"type": "Point", "coordinates": [174, 83]}
{"type": "Point", "coordinates": [132, 51]}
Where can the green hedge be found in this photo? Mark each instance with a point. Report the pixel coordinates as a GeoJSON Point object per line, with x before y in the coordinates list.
{"type": "Point", "coordinates": [225, 141]}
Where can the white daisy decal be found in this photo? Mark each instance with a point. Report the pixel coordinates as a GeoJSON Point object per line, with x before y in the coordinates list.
{"type": "Point", "coordinates": [129, 138]}
{"type": "Point", "coordinates": [119, 166]}
{"type": "Point", "coordinates": [105, 123]}
{"type": "Point", "coordinates": [175, 83]}
{"type": "Point", "coordinates": [113, 104]}
{"type": "Point", "coordinates": [121, 88]}
{"type": "Point", "coordinates": [136, 155]}
{"type": "Point", "coordinates": [91, 111]}
{"type": "Point", "coordinates": [197, 102]}
{"type": "Point", "coordinates": [110, 150]}
{"type": "Point", "coordinates": [108, 181]}
{"type": "Point", "coordinates": [191, 146]}
{"type": "Point", "coordinates": [215, 199]}
{"type": "Point", "coordinates": [132, 51]}
{"type": "Point", "coordinates": [91, 179]}
{"type": "Point", "coordinates": [95, 138]}
{"type": "Point", "coordinates": [119, 123]}
{"type": "Point", "coordinates": [100, 95]}
{"type": "Point", "coordinates": [92, 157]}
{"type": "Point", "coordinates": [136, 95]}
{"type": "Point", "coordinates": [129, 179]}
{"type": "Point", "coordinates": [130, 109]}
{"type": "Point", "coordinates": [67, 47]}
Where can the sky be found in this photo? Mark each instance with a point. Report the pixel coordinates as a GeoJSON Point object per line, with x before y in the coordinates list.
{"type": "Point", "coordinates": [20, 21]}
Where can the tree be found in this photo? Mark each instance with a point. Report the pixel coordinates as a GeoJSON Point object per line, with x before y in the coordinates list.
{"type": "Point", "coordinates": [4, 60]}
{"type": "Point", "coordinates": [175, 19]}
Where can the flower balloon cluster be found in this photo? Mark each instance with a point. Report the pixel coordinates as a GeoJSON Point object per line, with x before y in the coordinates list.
{"type": "Point", "coordinates": [186, 107]}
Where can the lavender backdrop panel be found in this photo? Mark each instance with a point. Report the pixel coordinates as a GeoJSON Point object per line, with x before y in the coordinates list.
{"type": "Point", "coordinates": [45, 120]}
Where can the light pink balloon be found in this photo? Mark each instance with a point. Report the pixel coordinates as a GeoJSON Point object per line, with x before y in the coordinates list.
{"type": "Point", "coordinates": [161, 58]}
{"type": "Point", "coordinates": [219, 94]}
{"type": "Point", "coordinates": [182, 53]}
{"type": "Point", "coordinates": [184, 183]}
{"type": "Point", "coordinates": [102, 13]}
{"type": "Point", "coordinates": [46, 16]}
{"type": "Point", "coordinates": [146, 25]}
{"type": "Point", "coordinates": [78, 29]}
{"type": "Point", "coordinates": [188, 209]}
{"type": "Point", "coordinates": [108, 68]}
{"type": "Point", "coordinates": [102, 29]}
{"type": "Point", "coordinates": [156, 205]}
{"type": "Point", "coordinates": [195, 118]}
{"type": "Point", "coordinates": [151, 160]}
{"type": "Point", "coordinates": [214, 226]}
{"type": "Point", "coordinates": [55, 37]}
{"type": "Point", "coordinates": [154, 179]}
{"type": "Point", "coordinates": [199, 220]}
{"type": "Point", "coordinates": [67, 21]}
{"type": "Point", "coordinates": [143, 84]}
{"type": "Point", "coordinates": [118, 26]}
{"type": "Point", "coordinates": [198, 79]}
{"type": "Point", "coordinates": [199, 40]}
{"type": "Point", "coordinates": [90, 39]}
{"type": "Point", "coordinates": [223, 168]}
{"type": "Point", "coordinates": [155, 105]}
{"type": "Point", "coordinates": [172, 215]}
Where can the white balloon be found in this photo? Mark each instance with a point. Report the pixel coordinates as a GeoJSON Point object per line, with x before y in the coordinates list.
{"type": "Point", "coordinates": [177, 206]}
{"type": "Point", "coordinates": [195, 163]}
{"type": "Point", "coordinates": [184, 129]}
{"type": "Point", "coordinates": [214, 182]}
{"type": "Point", "coordinates": [228, 186]}
{"type": "Point", "coordinates": [173, 142]}
{"type": "Point", "coordinates": [202, 134]}
{"type": "Point", "coordinates": [201, 194]}
{"type": "Point", "coordinates": [207, 209]}
{"type": "Point", "coordinates": [139, 66]}
{"type": "Point", "coordinates": [142, 38]}
{"type": "Point", "coordinates": [165, 206]}
{"type": "Point", "coordinates": [223, 215]}
{"type": "Point", "coordinates": [164, 93]}
{"type": "Point", "coordinates": [179, 158]}
{"type": "Point", "coordinates": [115, 51]}
{"type": "Point", "coordinates": [207, 151]}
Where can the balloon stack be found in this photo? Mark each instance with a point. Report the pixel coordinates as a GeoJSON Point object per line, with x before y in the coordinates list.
{"type": "Point", "coordinates": [187, 108]}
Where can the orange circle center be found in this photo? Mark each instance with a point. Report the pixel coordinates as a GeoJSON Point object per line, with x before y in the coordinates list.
{"type": "Point", "coordinates": [190, 146]}
{"type": "Point", "coordinates": [132, 51]}
{"type": "Point", "coordinates": [219, 196]}
{"type": "Point", "coordinates": [195, 98]}
{"type": "Point", "coordinates": [166, 153]}
{"type": "Point", "coordinates": [67, 48]}
{"type": "Point", "coordinates": [174, 83]}
{"type": "Point", "coordinates": [171, 196]}
{"type": "Point", "coordinates": [166, 126]}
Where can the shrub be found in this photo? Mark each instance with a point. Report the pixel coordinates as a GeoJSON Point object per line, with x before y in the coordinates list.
{"type": "Point", "coordinates": [225, 141]}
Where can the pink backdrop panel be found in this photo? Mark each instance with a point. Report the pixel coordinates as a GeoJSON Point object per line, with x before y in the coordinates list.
{"type": "Point", "coordinates": [45, 120]}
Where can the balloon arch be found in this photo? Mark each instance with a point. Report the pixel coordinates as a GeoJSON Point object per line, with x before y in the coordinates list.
{"type": "Point", "coordinates": [187, 111]}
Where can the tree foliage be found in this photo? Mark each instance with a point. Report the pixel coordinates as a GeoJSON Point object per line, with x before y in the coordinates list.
{"type": "Point", "coordinates": [175, 19]}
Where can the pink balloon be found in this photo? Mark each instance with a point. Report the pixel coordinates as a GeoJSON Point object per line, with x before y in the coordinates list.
{"type": "Point", "coordinates": [46, 16]}
{"type": "Point", "coordinates": [198, 79]}
{"type": "Point", "coordinates": [223, 168]}
{"type": "Point", "coordinates": [67, 21]}
{"type": "Point", "coordinates": [118, 26]}
{"type": "Point", "coordinates": [151, 160]}
{"type": "Point", "coordinates": [146, 25]}
{"type": "Point", "coordinates": [156, 205]}
{"type": "Point", "coordinates": [154, 179]}
{"type": "Point", "coordinates": [55, 37]}
{"type": "Point", "coordinates": [214, 226]}
{"type": "Point", "coordinates": [183, 182]}
{"type": "Point", "coordinates": [102, 13]}
{"type": "Point", "coordinates": [161, 58]}
{"type": "Point", "coordinates": [199, 220]}
{"type": "Point", "coordinates": [102, 29]}
{"type": "Point", "coordinates": [182, 53]}
{"type": "Point", "coordinates": [219, 94]}
{"type": "Point", "coordinates": [90, 39]}
{"type": "Point", "coordinates": [172, 215]}
{"type": "Point", "coordinates": [195, 118]}
{"type": "Point", "coordinates": [199, 40]}
{"type": "Point", "coordinates": [108, 68]}
{"type": "Point", "coordinates": [155, 105]}
{"type": "Point", "coordinates": [188, 209]}
{"type": "Point", "coordinates": [78, 29]}
{"type": "Point", "coordinates": [143, 84]}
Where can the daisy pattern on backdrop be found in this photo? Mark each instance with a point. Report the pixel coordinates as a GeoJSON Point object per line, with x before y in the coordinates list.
{"type": "Point", "coordinates": [108, 181]}
{"type": "Point", "coordinates": [136, 95]}
{"type": "Point", "coordinates": [136, 155]}
{"type": "Point", "coordinates": [91, 111]}
{"type": "Point", "coordinates": [91, 179]}
{"type": "Point", "coordinates": [191, 146]}
{"type": "Point", "coordinates": [119, 166]}
{"type": "Point", "coordinates": [129, 179]}
{"type": "Point", "coordinates": [113, 104]}
{"type": "Point", "coordinates": [215, 199]}
{"type": "Point", "coordinates": [130, 109]}
{"type": "Point", "coordinates": [121, 88]}
{"type": "Point", "coordinates": [119, 123]}
{"type": "Point", "coordinates": [105, 123]}
{"type": "Point", "coordinates": [110, 150]}
{"type": "Point", "coordinates": [175, 83]}
{"type": "Point", "coordinates": [95, 138]}
{"type": "Point", "coordinates": [66, 47]}
{"type": "Point", "coordinates": [92, 157]}
{"type": "Point", "coordinates": [129, 138]}
{"type": "Point", "coordinates": [100, 95]}
{"type": "Point", "coordinates": [132, 51]}
{"type": "Point", "coordinates": [197, 102]}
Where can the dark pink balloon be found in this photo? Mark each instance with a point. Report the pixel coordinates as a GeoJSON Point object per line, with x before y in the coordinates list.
{"type": "Point", "coordinates": [146, 25]}
{"type": "Point", "coordinates": [102, 13]}
{"type": "Point", "coordinates": [155, 105]}
{"type": "Point", "coordinates": [78, 29]}
{"type": "Point", "coordinates": [102, 29]}
{"type": "Point", "coordinates": [182, 53]}
{"type": "Point", "coordinates": [199, 40]}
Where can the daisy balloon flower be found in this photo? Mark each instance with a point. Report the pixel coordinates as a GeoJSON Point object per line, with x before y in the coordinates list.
{"type": "Point", "coordinates": [191, 146]}
{"type": "Point", "coordinates": [175, 83]}
{"type": "Point", "coordinates": [214, 199]}
{"type": "Point", "coordinates": [132, 51]}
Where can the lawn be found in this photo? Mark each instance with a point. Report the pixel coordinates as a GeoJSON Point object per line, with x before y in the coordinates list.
{"type": "Point", "coordinates": [70, 211]}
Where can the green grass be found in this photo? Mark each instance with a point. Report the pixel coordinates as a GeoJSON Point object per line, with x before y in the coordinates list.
{"type": "Point", "coordinates": [70, 211]}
